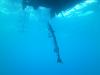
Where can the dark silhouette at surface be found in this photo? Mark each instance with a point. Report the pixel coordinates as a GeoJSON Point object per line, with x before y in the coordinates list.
{"type": "Point", "coordinates": [55, 6]}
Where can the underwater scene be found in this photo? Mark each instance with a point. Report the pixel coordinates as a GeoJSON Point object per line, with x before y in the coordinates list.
{"type": "Point", "coordinates": [49, 37]}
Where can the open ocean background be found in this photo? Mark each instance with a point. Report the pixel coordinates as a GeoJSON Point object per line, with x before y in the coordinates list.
{"type": "Point", "coordinates": [27, 49]}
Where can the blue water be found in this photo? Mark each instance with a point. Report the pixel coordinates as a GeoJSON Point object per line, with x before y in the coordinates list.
{"type": "Point", "coordinates": [27, 49]}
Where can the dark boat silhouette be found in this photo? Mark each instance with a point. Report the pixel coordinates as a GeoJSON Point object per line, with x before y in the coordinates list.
{"type": "Point", "coordinates": [56, 6]}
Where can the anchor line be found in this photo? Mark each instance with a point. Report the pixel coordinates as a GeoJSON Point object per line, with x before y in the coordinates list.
{"type": "Point", "coordinates": [56, 49]}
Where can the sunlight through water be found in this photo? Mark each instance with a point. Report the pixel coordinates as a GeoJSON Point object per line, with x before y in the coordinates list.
{"type": "Point", "coordinates": [77, 9]}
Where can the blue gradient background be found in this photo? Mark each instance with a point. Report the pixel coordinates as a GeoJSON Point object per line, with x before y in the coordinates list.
{"type": "Point", "coordinates": [31, 52]}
